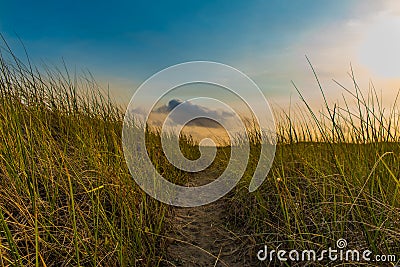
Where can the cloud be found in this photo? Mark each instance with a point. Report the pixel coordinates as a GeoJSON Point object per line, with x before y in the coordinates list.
{"type": "Point", "coordinates": [188, 110]}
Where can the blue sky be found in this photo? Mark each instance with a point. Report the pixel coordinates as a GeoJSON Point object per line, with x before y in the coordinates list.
{"type": "Point", "coordinates": [124, 42]}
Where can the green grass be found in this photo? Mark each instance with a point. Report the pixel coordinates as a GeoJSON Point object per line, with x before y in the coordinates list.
{"type": "Point", "coordinates": [335, 175]}
{"type": "Point", "coordinates": [67, 198]}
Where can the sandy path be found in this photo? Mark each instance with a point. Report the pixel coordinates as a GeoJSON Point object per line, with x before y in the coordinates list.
{"type": "Point", "coordinates": [200, 237]}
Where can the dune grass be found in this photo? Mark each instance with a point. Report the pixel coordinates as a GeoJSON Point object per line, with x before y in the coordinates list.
{"type": "Point", "coordinates": [67, 198]}
{"type": "Point", "coordinates": [335, 175]}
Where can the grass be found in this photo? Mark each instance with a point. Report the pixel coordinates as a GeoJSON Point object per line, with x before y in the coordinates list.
{"type": "Point", "coordinates": [335, 175]}
{"type": "Point", "coordinates": [67, 198]}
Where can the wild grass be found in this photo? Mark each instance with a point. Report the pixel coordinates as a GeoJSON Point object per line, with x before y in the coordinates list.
{"type": "Point", "coordinates": [67, 198]}
{"type": "Point", "coordinates": [335, 175]}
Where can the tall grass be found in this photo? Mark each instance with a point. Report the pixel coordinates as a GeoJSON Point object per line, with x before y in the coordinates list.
{"type": "Point", "coordinates": [66, 196]}
{"type": "Point", "coordinates": [335, 175]}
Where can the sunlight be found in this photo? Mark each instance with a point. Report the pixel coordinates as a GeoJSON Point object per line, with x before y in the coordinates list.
{"type": "Point", "coordinates": [379, 51]}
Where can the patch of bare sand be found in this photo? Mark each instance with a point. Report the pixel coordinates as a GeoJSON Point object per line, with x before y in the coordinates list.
{"type": "Point", "coordinates": [200, 237]}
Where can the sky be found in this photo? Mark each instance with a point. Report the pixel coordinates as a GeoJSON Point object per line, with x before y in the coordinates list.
{"type": "Point", "coordinates": [122, 43]}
